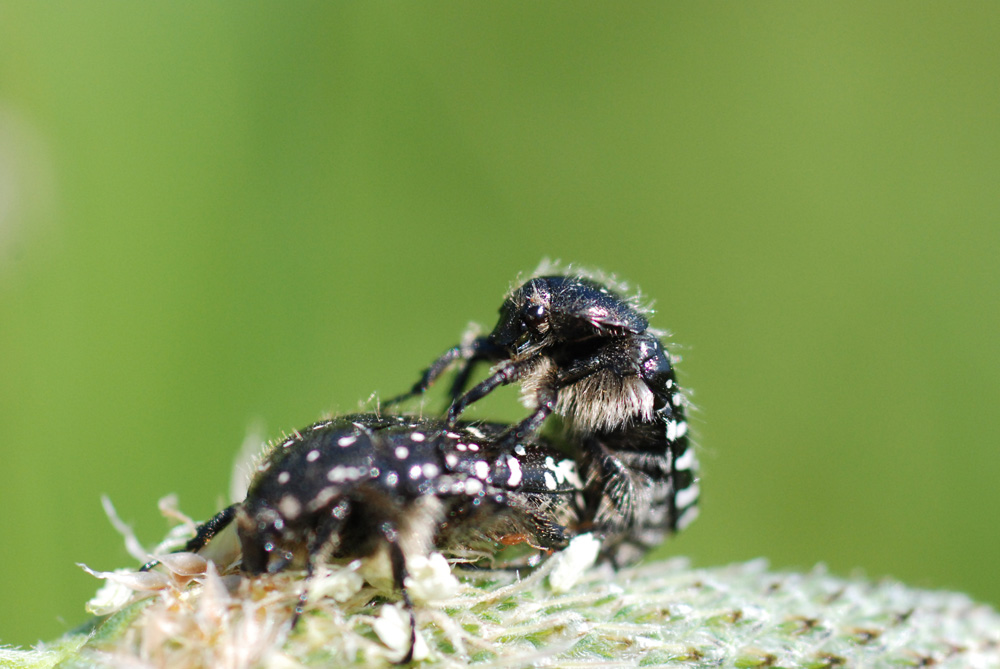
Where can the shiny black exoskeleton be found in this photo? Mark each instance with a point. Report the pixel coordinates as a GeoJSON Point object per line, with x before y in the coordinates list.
{"type": "Point", "coordinates": [583, 351]}
{"type": "Point", "coordinates": [356, 485]}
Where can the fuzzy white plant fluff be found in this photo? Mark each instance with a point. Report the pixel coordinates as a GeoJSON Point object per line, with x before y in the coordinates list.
{"type": "Point", "coordinates": [659, 614]}
{"type": "Point", "coordinates": [197, 612]}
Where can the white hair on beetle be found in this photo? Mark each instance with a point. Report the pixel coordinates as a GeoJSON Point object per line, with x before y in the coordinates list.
{"type": "Point", "coordinates": [631, 296]}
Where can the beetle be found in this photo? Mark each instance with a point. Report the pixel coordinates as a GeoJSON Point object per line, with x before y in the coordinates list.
{"type": "Point", "coordinates": [579, 349]}
{"type": "Point", "coordinates": [354, 486]}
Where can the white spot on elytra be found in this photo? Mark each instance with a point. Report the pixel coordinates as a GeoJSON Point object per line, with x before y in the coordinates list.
{"type": "Point", "coordinates": [451, 460]}
{"type": "Point", "coordinates": [313, 456]}
{"type": "Point", "coordinates": [418, 436]}
{"type": "Point", "coordinates": [686, 461]}
{"type": "Point", "coordinates": [482, 469]}
{"type": "Point", "coordinates": [402, 452]}
{"type": "Point", "coordinates": [347, 441]}
{"type": "Point", "coordinates": [515, 471]}
{"type": "Point", "coordinates": [342, 473]}
{"type": "Point", "coordinates": [289, 507]}
{"type": "Point", "coordinates": [564, 470]}
{"type": "Point", "coordinates": [686, 517]}
{"type": "Point", "coordinates": [430, 470]}
{"type": "Point", "coordinates": [550, 481]}
{"type": "Point", "coordinates": [687, 496]}
{"type": "Point", "coordinates": [415, 472]}
{"type": "Point", "coordinates": [568, 470]}
{"type": "Point", "coordinates": [473, 486]}
{"type": "Point", "coordinates": [322, 498]}
{"type": "Point", "coordinates": [283, 477]}
{"type": "Point", "coordinates": [519, 449]}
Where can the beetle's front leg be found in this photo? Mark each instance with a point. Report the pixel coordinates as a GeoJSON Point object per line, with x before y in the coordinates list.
{"type": "Point", "coordinates": [545, 398]}
{"type": "Point", "coordinates": [469, 354]}
{"type": "Point", "coordinates": [508, 372]}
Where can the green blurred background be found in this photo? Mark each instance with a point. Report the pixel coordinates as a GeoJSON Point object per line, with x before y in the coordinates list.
{"type": "Point", "coordinates": [215, 214]}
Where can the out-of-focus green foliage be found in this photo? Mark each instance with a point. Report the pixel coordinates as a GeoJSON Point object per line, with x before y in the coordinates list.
{"type": "Point", "coordinates": [217, 214]}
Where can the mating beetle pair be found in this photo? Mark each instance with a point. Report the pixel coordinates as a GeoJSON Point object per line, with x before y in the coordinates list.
{"type": "Point", "coordinates": [582, 351]}
{"type": "Point", "coordinates": [361, 484]}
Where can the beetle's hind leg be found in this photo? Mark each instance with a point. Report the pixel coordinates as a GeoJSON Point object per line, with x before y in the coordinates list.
{"type": "Point", "coordinates": [398, 561]}
{"type": "Point", "coordinates": [320, 547]}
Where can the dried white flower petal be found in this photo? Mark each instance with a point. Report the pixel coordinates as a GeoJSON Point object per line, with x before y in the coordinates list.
{"type": "Point", "coordinates": [570, 565]}
{"type": "Point", "coordinates": [340, 584]}
{"type": "Point", "coordinates": [430, 578]}
{"type": "Point", "coordinates": [184, 564]}
{"type": "Point", "coordinates": [393, 627]}
{"type": "Point", "coordinates": [120, 587]}
{"type": "Point", "coordinates": [135, 580]}
{"type": "Point", "coordinates": [111, 597]}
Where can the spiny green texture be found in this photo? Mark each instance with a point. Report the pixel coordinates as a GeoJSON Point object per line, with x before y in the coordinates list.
{"type": "Point", "coordinates": [662, 614]}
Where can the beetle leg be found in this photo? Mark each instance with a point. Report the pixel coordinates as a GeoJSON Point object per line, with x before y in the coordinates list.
{"type": "Point", "coordinates": [204, 533]}
{"type": "Point", "coordinates": [398, 561]}
{"type": "Point", "coordinates": [318, 549]}
{"type": "Point", "coordinates": [545, 399]}
{"type": "Point", "coordinates": [507, 373]}
{"type": "Point", "coordinates": [480, 349]}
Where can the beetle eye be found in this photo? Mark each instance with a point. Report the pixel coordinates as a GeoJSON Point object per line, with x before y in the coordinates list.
{"type": "Point", "coordinates": [534, 315]}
